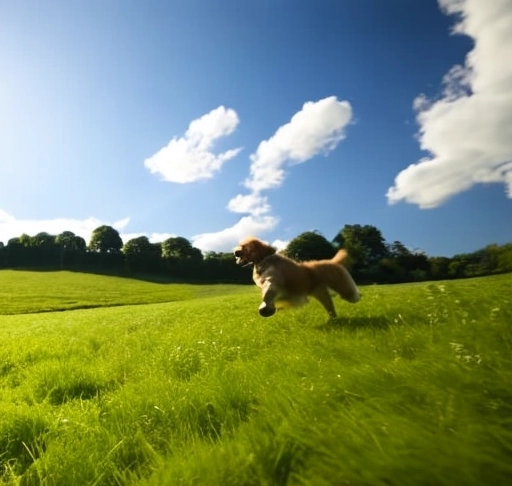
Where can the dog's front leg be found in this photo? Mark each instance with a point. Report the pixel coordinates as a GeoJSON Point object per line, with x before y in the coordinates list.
{"type": "Point", "coordinates": [269, 293]}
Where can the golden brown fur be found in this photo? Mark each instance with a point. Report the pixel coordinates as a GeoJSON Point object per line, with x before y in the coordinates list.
{"type": "Point", "coordinates": [283, 280]}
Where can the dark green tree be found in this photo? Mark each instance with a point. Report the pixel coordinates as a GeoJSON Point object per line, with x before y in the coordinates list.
{"type": "Point", "coordinates": [182, 260]}
{"type": "Point", "coordinates": [71, 248]}
{"type": "Point", "coordinates": [43, 239]}
{"type": "Point", "coordinates": [43, 249]}
{"type": "Point", "coordinates": [310, 245]}
{"type": "Point", "coordinates": [16, 251]}
{"type": "Point", "coordinates": [394, 266]}
{"type": "Point", "coordinates": [365, 244]}
{"type": "Point", "coordinates": [3, 255]}
{"type": "Point", "coordinates": [457, 267]}
{"type": "Point", "coordinates": [70, 242]}
{"type": "Point", "coordinates": [504, 258]}
{"type": "Point", "coordinates": [106, 239]}
{"type": "Point", "coordinates": [16, 241]}
{"type": "Point", "coordinates": [179, 248]}
{"type": "Point", "coordinates": [415, 263]}
{"type": "Point", "coordinates": [439, 268]}
{"type": "Point", "coordinates": [399, 251]}
{"type": "Point", "coordinates": [25, 240]}
{"type": "Point", "coordinates": [137, 246]}
{"type": "Point", "coordinates": [221, 267]}
{"type": "Point", "coordinates": [142, 255]}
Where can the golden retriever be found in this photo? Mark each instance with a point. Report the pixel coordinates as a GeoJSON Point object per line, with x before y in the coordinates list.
{"type": "Point", "coordinates": [285, 281]}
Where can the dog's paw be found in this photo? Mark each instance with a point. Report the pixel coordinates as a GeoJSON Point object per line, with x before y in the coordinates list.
{"type": "Point", "coordinates": [266, 310]}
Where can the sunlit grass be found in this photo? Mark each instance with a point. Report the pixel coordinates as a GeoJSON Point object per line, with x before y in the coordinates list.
{"type": "Point", "coordinates": [411, 386]}
{"type": "Point", "coordinates": [24, 291]}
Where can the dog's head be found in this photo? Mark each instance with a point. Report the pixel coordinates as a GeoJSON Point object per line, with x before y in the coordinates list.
{"type": "Point", "coordinates": [252, 251]}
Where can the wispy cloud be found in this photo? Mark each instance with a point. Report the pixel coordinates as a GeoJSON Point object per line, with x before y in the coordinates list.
{"type": "Point", "coordinates": [11, 227]}
{"type": "Point", "coordinates": [190, 157]}
{"type": "Point", "coordinates": [468, 131]}
{"type": "Point", "coordinates": [316, 129]}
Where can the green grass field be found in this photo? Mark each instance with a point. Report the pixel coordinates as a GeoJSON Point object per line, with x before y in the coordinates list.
{"type": "Point", "coordinates": [166, 384]}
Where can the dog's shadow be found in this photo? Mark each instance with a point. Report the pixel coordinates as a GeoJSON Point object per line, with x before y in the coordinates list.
{"type": "Point", "coordinates": [380, 323]}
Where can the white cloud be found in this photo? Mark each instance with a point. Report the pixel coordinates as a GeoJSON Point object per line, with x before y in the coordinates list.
{"type": "Point", "coordinates": [468, 131]}
{"type": "Point", "coordinates": [280, 244]}
{"type": "Point", "coordinates": [253, 203]}
{"type": "Point", "coordinates": [190, 158]}
{"type": "Point", "coordinates": [228, 238]}
{"type": "Point", "coordinates": [160, 237]}
{"type": "Point", "coordinates": [5, 218]}
{"type": "Point", "coordinates": [153, 237]}
{"type": "Point", "coordinates": [121, 224]}
{"type": "Point", "coordinates": [318, 127]}
{"type": "Point", "coordinates": [10, 227]}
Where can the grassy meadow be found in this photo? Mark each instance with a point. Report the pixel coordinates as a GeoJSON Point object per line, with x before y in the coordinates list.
{"type": "Point", "coordinates": [141, 383]}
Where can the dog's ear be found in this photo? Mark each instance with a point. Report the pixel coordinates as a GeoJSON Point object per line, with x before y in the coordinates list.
{"type": "Point", "coordinates": [255, 249]}
{"type": "Point", "coordinates": [263, 249]}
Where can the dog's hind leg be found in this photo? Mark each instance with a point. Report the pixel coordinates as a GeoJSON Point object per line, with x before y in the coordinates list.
{"type": "Point", "coordinates": [322, 295]}
{"type": "Point", "coordinates": [269, 294]}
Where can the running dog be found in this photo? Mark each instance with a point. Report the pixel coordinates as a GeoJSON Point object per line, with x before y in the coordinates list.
{"type": "Point", "coordinates": [284, 281]}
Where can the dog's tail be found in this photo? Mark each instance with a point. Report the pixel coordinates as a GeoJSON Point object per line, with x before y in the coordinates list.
{"type": "Point", "coordinates": [341, 257]}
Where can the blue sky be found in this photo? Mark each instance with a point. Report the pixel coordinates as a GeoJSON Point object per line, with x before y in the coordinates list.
{"type": "Point", "coordinates": [216, 120]}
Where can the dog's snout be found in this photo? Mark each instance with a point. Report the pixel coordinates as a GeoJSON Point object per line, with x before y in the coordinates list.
{"type": "Point", "coordinates": [238, 253]}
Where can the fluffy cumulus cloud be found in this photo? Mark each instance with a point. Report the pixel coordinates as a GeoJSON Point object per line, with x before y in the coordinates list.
{"type": "Point", "coordinates": [253, 203]}
{"type": "Point", "coordinates": [227, 238]}
{"type": "Point", "coordinates": [280, 244]}
{"type": "Point", "coordinates": [153, 237]}
{"type": "Point", "coordinates": [467, 132]}
{"type": "Point", "coordinates": [316, 129]}
{"type": "Point", "coordinates": [191, 157]}
{"type": "Point", "coordinates": [11, 227]}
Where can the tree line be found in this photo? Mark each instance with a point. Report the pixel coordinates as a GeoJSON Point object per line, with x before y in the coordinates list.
{"type": "Point", "coordinates": [372, 259]}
